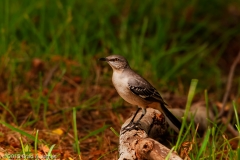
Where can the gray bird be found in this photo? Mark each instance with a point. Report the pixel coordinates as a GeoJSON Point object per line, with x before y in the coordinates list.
{"type": "Point", "coordinates": [135, 89]}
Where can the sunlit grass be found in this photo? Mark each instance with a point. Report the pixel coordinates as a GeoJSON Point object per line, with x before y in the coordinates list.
{"type": "Point", "coordinates": [77, 143]}
{"type": "Point", "coordinates": [168, 42]}
{"type": "Point", "coordinates": [184, 121]}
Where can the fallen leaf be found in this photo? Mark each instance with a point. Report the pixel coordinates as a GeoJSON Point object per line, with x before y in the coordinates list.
{"type": "Point", "coordinates": [58, 131]}
{"type": "Point", "coordinates": [44, 148]}
{"type": "Point", "coordinates": [2, 139]}
{"type": "Point", "coordinates": [1, 154]}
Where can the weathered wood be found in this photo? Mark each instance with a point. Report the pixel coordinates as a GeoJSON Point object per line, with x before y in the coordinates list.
{"type": "Point", "coordinates": [199, 112]}
{"type": "Point", "coordinates": [137, 144]}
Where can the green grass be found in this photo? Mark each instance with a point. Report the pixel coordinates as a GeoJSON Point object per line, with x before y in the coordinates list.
{"type": "Point", "coordinates": [76, 133]}
{"type": "Point", "coordinates": [168, 42]}
{"type": "Point", "coordinates": [214, 143]}
{"type": "Point", "coordinates": [159, 32]}
{"type": "Point", "coordinates": [184, 121]}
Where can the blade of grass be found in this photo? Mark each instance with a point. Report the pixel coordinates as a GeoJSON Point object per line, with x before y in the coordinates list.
{"type": "Point", "coordinates": [236, 115]}
{"type": "Point", "coordinates": [213, 144]}
{"type": "Point", "coordinates": [206, 101]}
{"type": "Point", "coordinates": [230, 153]}
{"type": "Point", "coordinates": [237, 126]}
{"type": "Point", "coordinates": [187, 59]}
{"type": "Point", "coordinates": [115, 132]}
{"type": "Point", "coordinates": [142, 35]}
{"type": "Point", "coordinates": [77, 143]}
{"type": "Point", "coordinates": [115, 149]}
{"type": "Point", "coordinates": [238, 153]}
{"type": "Point", "coordinates": [187, 131]}
{"type": "Point", "coordinates": [204, 144]}
{"type": "Point", "coordinates": [5, 25]}
{"type": "Point", "coordinates": [95, 132]}
{"type": "Point", "coordinates": [49, 155]}
{"type": "Point", "coordinates": [18, 130]}
{"type": "Point", "coordinates": [36, 143]}
{"type": "Point", "coordinates": [170, 153]}
{"type": "Point", "coordinates": [23, 148]}
{"type": "Point", "coordinates": [10, 112]}
{"type": "Point", "coordinates": [189, 102]}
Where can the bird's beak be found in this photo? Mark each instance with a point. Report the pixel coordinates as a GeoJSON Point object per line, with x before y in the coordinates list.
{"type": "Point", "coordinates": [103, 59]}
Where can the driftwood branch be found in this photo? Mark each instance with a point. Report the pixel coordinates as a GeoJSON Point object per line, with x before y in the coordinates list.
{"type": "Point", "coordinates": [139, 144]}
{"type": "Point", "coordinates": [143, 143]}
{"type": "Point", "coordinates": [199, 112]}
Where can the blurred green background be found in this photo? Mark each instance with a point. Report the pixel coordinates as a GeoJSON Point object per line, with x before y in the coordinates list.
{"type": "Point", "coordinates": [49, 51]}
{"type": "Point", "coordinates": [169, 42]}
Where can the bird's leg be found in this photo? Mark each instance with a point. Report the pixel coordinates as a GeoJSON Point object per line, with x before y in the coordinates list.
{"type": "Point", "coordinates": [132, 120]}
{"type": "Point", "coordinates": [143, 113]}
{"type": "Point", "coordinates": [134, 116]}
{"type": "Point", "coordinates": [132, 124]}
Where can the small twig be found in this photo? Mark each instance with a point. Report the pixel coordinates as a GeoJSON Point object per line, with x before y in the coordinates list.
{"type": "Point", "coordinates": [229, 84]}
{"type": "Point", "coordinates": [70, 81]}
{"type": "Point", "coordinates": [50, 75]}
{"type": "Point", "coordinates": [230, 127]}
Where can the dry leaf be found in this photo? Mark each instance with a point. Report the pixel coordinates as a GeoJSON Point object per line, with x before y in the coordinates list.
{"type": "Point", "coordinates": [1, 154]}
{"type": "Point", "coordinates": [58, 131]}
{"type": "Point", "coordinates": [44, 148]}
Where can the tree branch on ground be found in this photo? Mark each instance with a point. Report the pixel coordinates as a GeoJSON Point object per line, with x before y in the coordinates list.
{"type": "Point", "coordinates": [141, 143]}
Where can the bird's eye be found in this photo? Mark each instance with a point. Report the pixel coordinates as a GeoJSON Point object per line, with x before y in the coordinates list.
{"type": "Point", "coordinates": [114, 59]}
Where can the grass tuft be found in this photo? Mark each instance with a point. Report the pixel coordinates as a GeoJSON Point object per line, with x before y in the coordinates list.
{"type": "Point", "coordinates": [167, 42]}
{"type": "Point", "coordinates": [191, 93]}
{"type": "Point", "coordinates": [77, 142]}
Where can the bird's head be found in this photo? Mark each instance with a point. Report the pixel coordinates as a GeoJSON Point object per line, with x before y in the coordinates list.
{"type": "Point", "coordinates": [117, 62]}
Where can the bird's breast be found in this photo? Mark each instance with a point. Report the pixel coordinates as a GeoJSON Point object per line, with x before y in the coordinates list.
{"type": "Point", "coordinates": [120, 83]}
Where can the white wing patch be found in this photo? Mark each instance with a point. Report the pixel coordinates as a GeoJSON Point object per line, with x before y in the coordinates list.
{"type": "Point", "coordinates": [142, 96]}
{"type": "Point", "coordinates": [138, 89]}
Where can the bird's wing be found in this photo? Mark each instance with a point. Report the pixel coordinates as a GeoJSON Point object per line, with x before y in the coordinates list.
{"type": "Point", "coordinates": [144, 90]}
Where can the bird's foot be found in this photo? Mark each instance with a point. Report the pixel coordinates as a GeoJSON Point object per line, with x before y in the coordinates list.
{"type": "Point", "coordinates": [131, 126]}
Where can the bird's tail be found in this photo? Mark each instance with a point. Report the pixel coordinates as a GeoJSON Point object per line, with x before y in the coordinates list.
{"type": "Point", "coordinates": [170, 116]}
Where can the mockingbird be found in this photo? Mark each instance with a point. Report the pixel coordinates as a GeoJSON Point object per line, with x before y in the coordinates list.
{"type": "Point", "coordinates": [135, 89]}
